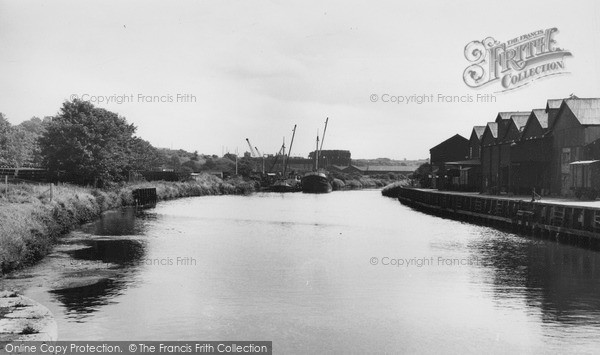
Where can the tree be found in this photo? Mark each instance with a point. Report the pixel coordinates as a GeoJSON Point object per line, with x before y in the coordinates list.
{"type": "Point", "coordinates": [210, 164]}
{"type": "Point", "coordinates": [174, 163]}
{"type": "Point", "coordinates": [34, 125]}
{"type": "Point", "coordinates": [143, 156]}
{"type": "Point", "coordinates": [5, 127]}
{"type": "Point", "coordinates": [86, 143]}
{"type": "Point", "coordinates": [19, 146]}
{"type": "Point", "coordinates": [193, 165]}
{"type": "Point", "coordinates": [422, 175]}
{"type": "Point", "coordinates": [245, 167]}
{"type": "Point", "coordinates": [230, 156]}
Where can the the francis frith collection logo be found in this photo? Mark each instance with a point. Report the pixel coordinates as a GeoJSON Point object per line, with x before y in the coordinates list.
{"type": "Point", "coordinates": [516, 62]}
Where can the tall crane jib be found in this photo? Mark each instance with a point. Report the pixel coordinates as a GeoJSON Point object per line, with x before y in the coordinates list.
{"type": "Point", "coordinates": [252, 153]}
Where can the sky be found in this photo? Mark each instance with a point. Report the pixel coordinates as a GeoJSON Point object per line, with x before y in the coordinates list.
{"type": "Point", "coordinates": [254, 69]}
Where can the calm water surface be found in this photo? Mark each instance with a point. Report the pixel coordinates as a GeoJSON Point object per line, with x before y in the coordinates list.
{"type": "Point", "coordinates": [299, 270]}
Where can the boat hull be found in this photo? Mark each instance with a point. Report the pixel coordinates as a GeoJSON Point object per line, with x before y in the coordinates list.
{"type": "Point", "coordinates": [288, 185]}
{"type": "Point", "coordinates": [316, 183]}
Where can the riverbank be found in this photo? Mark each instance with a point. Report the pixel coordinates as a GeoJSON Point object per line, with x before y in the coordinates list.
{"type": "Point", "coordinates": [23, 319]}
{"type": "Point", "coordinates": [393, 189]}
{"type": "Point", "coordinates": [562, 220]}
{"type": "Point", "coordinates": [33, 217]}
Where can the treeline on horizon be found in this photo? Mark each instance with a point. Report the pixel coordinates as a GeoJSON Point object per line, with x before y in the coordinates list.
{"type": "Point", "coordinates": [85, 144]}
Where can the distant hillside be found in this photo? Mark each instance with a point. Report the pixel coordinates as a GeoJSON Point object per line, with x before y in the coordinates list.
{"type": "Point", "coordinates": [182, 155]}
{"type": "Point", "coordinates": [388, 162]}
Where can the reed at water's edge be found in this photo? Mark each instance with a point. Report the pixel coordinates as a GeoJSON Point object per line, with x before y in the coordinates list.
{"type": "Point", "coordinates": [31, 222]}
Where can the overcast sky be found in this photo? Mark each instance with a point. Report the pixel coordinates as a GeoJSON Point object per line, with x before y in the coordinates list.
{"type": "Point", "coordinates": [256, 68]}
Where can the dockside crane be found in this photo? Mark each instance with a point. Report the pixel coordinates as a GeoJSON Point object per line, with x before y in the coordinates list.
{"type": "Point", "coordinates": [263, 159]}
{"type": "Point", "coordinates": [256, 155]}
{"type": "Point", "coordinates": [280, 152]}
{"type": "Point", "coordinates": [252, 153]}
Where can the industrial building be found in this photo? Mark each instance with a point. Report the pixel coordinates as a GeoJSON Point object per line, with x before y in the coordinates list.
{"type": "Point", "coordinates": [552, 150]}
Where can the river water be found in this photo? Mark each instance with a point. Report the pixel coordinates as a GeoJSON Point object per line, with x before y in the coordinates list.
{"type": "Point", "coordinates": [345, 272]}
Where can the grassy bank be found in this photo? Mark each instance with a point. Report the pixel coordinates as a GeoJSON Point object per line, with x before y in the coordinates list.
{"type": "Point", "coordinates": [30, 222]}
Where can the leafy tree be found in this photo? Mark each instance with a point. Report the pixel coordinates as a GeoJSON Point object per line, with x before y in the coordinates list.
{"type": "Point", "coordinates": [230, 156]}
{"type": "Point", "coordinates": [20, 146]}
{"type": "Point", "coordinates": [25, 142]}
{"type": "Point", "coordinates": [88, 144]}
{"type": "Point", "coordinates": [186, 170]}
{"type": "Point", "coordinates": [174, 163]}
{"type": "Point", "coordinates": [210, 164]}
{"type": "Point", "coordinates": [193, 165]}
{"type": "Point", "coordinates": [5, 128]}
{"type": "Point", "coordinates": [34, 125]}
{"type": "Point", "coordinates": [4, 124]}
{"type": "Point", "coordinates": [245, 167]}
{"type": "Point", "coordinates": [143, 156]}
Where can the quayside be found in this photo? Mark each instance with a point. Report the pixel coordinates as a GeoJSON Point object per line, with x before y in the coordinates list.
{"type": "Point", "coordinates": [563, 222]}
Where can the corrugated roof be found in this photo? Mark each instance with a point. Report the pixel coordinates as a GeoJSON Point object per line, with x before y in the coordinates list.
{"type": "Point", "coordinates": [478, 131]}
{"type": "Point", "coordinates": [553, 104]}
{"type": "Point", "coordinates": [454, 137]}
{"type": "Point", "coordinates": [587, 111]}
{"type": "Point", "coordinates": [506, 115]}
{"type": "Point", "coordinates": [542, 117]}
{"type": "Point", "coordinates": [493, 127]}
{"type": "Point", "coordinates": [520, 120]}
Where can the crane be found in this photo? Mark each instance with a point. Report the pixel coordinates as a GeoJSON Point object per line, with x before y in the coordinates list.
{"type": "Point", "coordinates": [281, 152]}
{"type": "Point", "coordinates": [251, 149]}
{"type": "Point", "coordinates": [263, 159]}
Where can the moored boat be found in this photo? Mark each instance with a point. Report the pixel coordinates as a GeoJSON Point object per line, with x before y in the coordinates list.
{"type": "Point", "coordinates": [291, 183]}
{"type": "Point", "coordinates": [286, 185]}
{"type": "Point", "coordinates": [316, 182]}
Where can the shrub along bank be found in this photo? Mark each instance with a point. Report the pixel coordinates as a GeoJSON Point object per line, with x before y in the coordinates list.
{"type": "Point", "coordinates": [31, 221]}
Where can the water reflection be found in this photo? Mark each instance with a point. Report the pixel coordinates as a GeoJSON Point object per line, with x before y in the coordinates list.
{"type": "Point", "coordinates": [122, 252]}
{"type": "Point", "coordinates": [563, 282]}
{"type": "Point", "coordinates": [106, 266]}
{"type": "Point", "coordinates": [296, 270]}
{"type": "Point", "coordinates": [126, 221]}
{"type": "Point", "coordinates": [83, 300]}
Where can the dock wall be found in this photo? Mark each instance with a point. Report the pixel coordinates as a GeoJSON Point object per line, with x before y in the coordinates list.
{"type": "Point", "coordinates": [145, 197]}
{"type": "Point", "coordinates": [564, 223]}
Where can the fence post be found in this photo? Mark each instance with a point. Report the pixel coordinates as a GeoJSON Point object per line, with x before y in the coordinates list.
{"type": "Point", "coordinates": [51, 191]}
{"type": "Point", "coordinates": [6, 185]}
